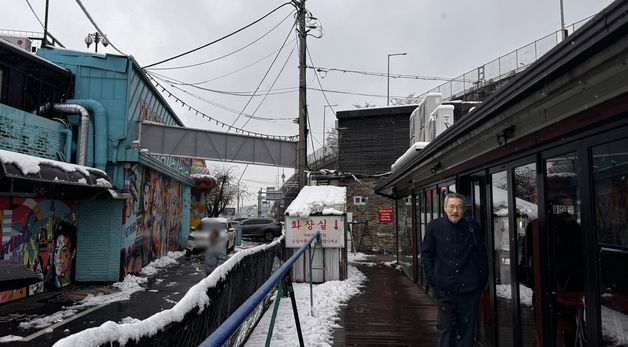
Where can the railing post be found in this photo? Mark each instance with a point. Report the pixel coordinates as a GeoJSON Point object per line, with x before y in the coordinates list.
{"type": "Point", "coordinates": [288, 284]}
{"type": "Point", "coordinates": [274, 315]}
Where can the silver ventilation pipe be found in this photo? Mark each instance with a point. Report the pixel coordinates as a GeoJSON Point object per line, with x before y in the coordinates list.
{"type": "Point", "coordinates": [84, 127]}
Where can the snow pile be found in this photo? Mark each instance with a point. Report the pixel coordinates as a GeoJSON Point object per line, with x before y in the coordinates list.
{"type": "Point", "coordinates": [525, 293]}
{"type": "Point", "coordinates": [409, 154]}
{"type": "Point", "coordinates": [29, 164]}
{"type": "Point", "coordinates": [128, 286]}
{"type": "Point", "coordinates": [357, 256]}
{"type": "Point", "coordinates": [196, 297]}
{"type": "Point", "coordinates": [614, 326]}
{"type": "Point", "coordinates": [10, 338]}
{"type": "Point", "coordinates": [328, 200]}
{"type": "Point", "coordinates": [103, 182]}
{"type": "Point", "coordinates": [329, 297]}
{"type": "Point", "coordinates": [154, 266]}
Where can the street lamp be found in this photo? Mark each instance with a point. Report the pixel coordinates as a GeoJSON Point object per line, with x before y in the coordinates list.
{"type": "Point", "coordinates": [325, 129]}
{"type": "Point", "coordinates": [388, 77]}
{"type": "Point", "coordinates": [96, 38]}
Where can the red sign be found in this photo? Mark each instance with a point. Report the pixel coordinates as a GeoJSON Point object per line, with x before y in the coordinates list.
{"type": "Point", "coordinates": [385, 215]}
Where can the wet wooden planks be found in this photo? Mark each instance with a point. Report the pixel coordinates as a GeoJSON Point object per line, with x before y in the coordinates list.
{"type": "Point", "coordinates": [392, 311]}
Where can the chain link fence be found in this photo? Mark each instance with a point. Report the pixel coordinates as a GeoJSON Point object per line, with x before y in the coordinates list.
{"type": "Point", "coordinates": [230, 292]}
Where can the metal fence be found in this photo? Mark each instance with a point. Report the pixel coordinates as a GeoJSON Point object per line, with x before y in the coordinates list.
{"type": "Point", "coordinates": [501, 68]}
{"type": "Point", "coordinates": [229, 293]}
{"type": "Point", "coordinates": [321, 157]}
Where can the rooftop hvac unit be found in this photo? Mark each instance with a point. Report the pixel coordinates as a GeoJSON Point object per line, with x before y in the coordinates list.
{"type": "Point", "coordinates": [22, 42]}
{"type": "Point", "coordinates": [419, 119]}
{"type": "Point", "coordinates": [439, 120]}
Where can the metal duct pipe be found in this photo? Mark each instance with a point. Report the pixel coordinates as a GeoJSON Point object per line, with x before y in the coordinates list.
{"type": "Point", "coordinates": [68, 139]}
{"type": "Point", "coordinates": [99, 114]}
{"type": "Point", "coordinates": [82, 138]}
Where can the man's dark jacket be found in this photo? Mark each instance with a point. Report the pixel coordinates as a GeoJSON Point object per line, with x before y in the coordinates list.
{"type": "Point", "coordinates": [454, 255]}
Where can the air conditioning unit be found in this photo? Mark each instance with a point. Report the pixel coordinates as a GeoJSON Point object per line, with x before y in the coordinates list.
{"type": "Point", "coordinates": [440, 119]}
{"type": "Point", "coordinates": [23, 42]}
{"type": "Point", "coordinates": [419, 119]}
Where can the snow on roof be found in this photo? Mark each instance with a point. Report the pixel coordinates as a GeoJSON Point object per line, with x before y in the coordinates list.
{"type": "Point", "coordinates": [29, 164]}
{"type": "Point", "coordinates": [327, 200]}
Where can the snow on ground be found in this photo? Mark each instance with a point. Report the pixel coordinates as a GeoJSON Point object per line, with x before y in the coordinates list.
{"type": "Point", "coordinates": [154, 266]}
{"type": "Point", "coordinates": [328, 200]}
{"type": "Point", "coordinates": [196, 297]}
{"type": "Point", "coordinates": [131, 284]}
{"type": "Point", "coordinates": [357, 256]}
{"type": "Point", "coordinates": [317, 329]}
{"type": "Point", "coordinates": [128, 286]}
{"type": "Point", "coordinates": [10, 338]}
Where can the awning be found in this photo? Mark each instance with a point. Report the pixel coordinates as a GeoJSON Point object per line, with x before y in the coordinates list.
{"type": "Point", "coordinates": [14, 275]}
{"type": "Point", "coordinates": [20, 166]}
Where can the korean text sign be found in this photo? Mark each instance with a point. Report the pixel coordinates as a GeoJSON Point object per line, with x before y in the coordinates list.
{"type": "Point", "coordinates": [331, 228]}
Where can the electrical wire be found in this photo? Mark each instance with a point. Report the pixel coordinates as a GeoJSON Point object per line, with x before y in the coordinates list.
{"type": "Point", "coordinates": [265, 74]}
{"type": "Point", "coordinates": [42, 24]}
{"type": "Point", "coordinates": [223, 124]}
{"type": "Point", "coordinates": [271, 86]}
{"type": "Point", "coordinates": [215, 104]}
{"type": "Point", "coordinates": [319, 82]}
{"type": "Point", "coordinates": [225, 55]}
{"type": "Point", "coordinates": [381, 74]}
{"type": "Point", "coordinates": [96, 26]}
{"type": "Point", "coordinates": [219, 39]}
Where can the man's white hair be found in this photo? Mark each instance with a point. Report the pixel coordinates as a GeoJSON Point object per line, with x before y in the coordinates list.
{"type": "Point", "coordinates": [453, 195]}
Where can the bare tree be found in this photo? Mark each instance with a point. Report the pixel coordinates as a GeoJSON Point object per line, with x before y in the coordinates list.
{"type": "Point", "coordinates": [225, 192]}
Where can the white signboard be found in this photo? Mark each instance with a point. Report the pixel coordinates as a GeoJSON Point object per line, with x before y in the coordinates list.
{"type": "Point", "coordinates": [332, 229]}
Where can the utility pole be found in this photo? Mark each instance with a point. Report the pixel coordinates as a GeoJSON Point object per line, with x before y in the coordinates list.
{"type": "Point", "coordinates": [302, 144]}
{"type": "Point", "coordinates": [44, 42]}
{"type": "Point", "coordinates": [259, 203]}
{"type": "Point", "coordinates": [239, 179]}
{"type": "Point", "coordinates": [562, 20]}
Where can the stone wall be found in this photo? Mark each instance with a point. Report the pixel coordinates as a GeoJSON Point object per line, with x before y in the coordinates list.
{"type": "Point", "coordinates": [382, 236]}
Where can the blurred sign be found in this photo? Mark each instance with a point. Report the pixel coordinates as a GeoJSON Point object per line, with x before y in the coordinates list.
{"type": "Point", "coordinates": [274, 195]}
{"type": "Point", "coordinates": [332, 229]}
{"type": "Point", "coordinates": [229, 211]}
{"type": "Point", "coordinates": [385, 215]}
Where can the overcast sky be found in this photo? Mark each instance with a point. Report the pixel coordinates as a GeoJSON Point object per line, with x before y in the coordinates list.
{"type": "Point", "coordinates": [441, 38]}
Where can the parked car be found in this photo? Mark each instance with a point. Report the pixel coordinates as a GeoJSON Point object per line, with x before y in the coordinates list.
{"type": "Point", "coordinates": [198, 240]}
{"type": "Point", "coordinates": [267, 229]}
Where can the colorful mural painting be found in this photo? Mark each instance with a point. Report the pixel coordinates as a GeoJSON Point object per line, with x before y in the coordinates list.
{"type": "Point", "coordinates": [41, 234]}
{"type": "Point", "coordinates": [151, 218]}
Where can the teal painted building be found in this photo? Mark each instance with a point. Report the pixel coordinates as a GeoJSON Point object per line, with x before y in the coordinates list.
{"type": "Point", "coordinates": [120, 236]}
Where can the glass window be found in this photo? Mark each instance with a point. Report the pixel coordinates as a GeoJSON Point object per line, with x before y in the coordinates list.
{"type": "Point", "coordinates": [527, 226]}
{"type": "Point", "coordinates": [565, 251]}
{"type": "Point", "coordinates": [610, 185]}
{"type": "Point", "coordinates": [485, 325]}
{"type": "Point", "coordinates": [405, 234]}
{"type": "Point", "coordinates": [501, 245]}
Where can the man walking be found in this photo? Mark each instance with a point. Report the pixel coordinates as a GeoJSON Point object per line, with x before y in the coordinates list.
{"type": "Point", "coordinates": [456, 266]}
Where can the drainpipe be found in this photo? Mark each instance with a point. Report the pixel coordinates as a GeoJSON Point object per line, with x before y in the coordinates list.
{"type": "Point", "coordinates": [100, 128]}
{"type": "Point", "coordinates": [68, 139]}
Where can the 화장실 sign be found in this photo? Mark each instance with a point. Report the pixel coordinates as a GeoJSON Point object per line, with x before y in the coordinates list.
{"type": "Point", "coordinates": [332, 230]}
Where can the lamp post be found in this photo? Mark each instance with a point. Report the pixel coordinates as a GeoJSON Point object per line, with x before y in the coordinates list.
{"type": "Point", "coordinates": [324, 128]}
{"type": "Point", "coordinates": [238, 202]}
{"type": "Point", "coordinates": [388, 77]}
{"type": "Point", "coordinates": [96, 38]}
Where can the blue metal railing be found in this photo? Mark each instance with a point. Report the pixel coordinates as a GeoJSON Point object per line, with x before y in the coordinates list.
{"type": "Point", "coordinates": [229, 326]}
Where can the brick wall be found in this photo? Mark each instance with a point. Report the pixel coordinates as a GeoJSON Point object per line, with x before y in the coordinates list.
{"type": "Point", "coordinates": [382, 235]}
{"type": "Point", "coordinates": [30, 134]}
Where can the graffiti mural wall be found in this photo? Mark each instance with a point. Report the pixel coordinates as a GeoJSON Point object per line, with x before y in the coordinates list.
{"type": "Point", "coordinates": [41, 235]}
{"type": "Point", "coordinates": [151, 218]}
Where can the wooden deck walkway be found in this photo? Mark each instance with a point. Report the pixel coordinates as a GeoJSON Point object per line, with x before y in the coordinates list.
{"type": "Point", "coordinates": [391, 311]}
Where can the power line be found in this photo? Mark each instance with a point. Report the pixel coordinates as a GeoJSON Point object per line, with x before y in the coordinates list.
{"type": "Point", "coordinates": [265, 74]}
{"type": "Point", "coordinates": [271, 86]}
{"type": "Point", "coordinates": [42, 24]}
{"type": "Point", "coordinates": [96, 26]}
{"type": "Point", "coordinates": [215, 104]}
{"type": "Point", "coordinates": [219, 39]}
{"type": "Point", "coordinates": [381, 74]}
{"type": "Point", "coordinates": [175, 81]}
{"type": "Point", "coordinates": [228, 54]}
{"type": "Point", "coordinates": [319, 84]}
{"type": "Point", "coordinates": [211, 119]}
